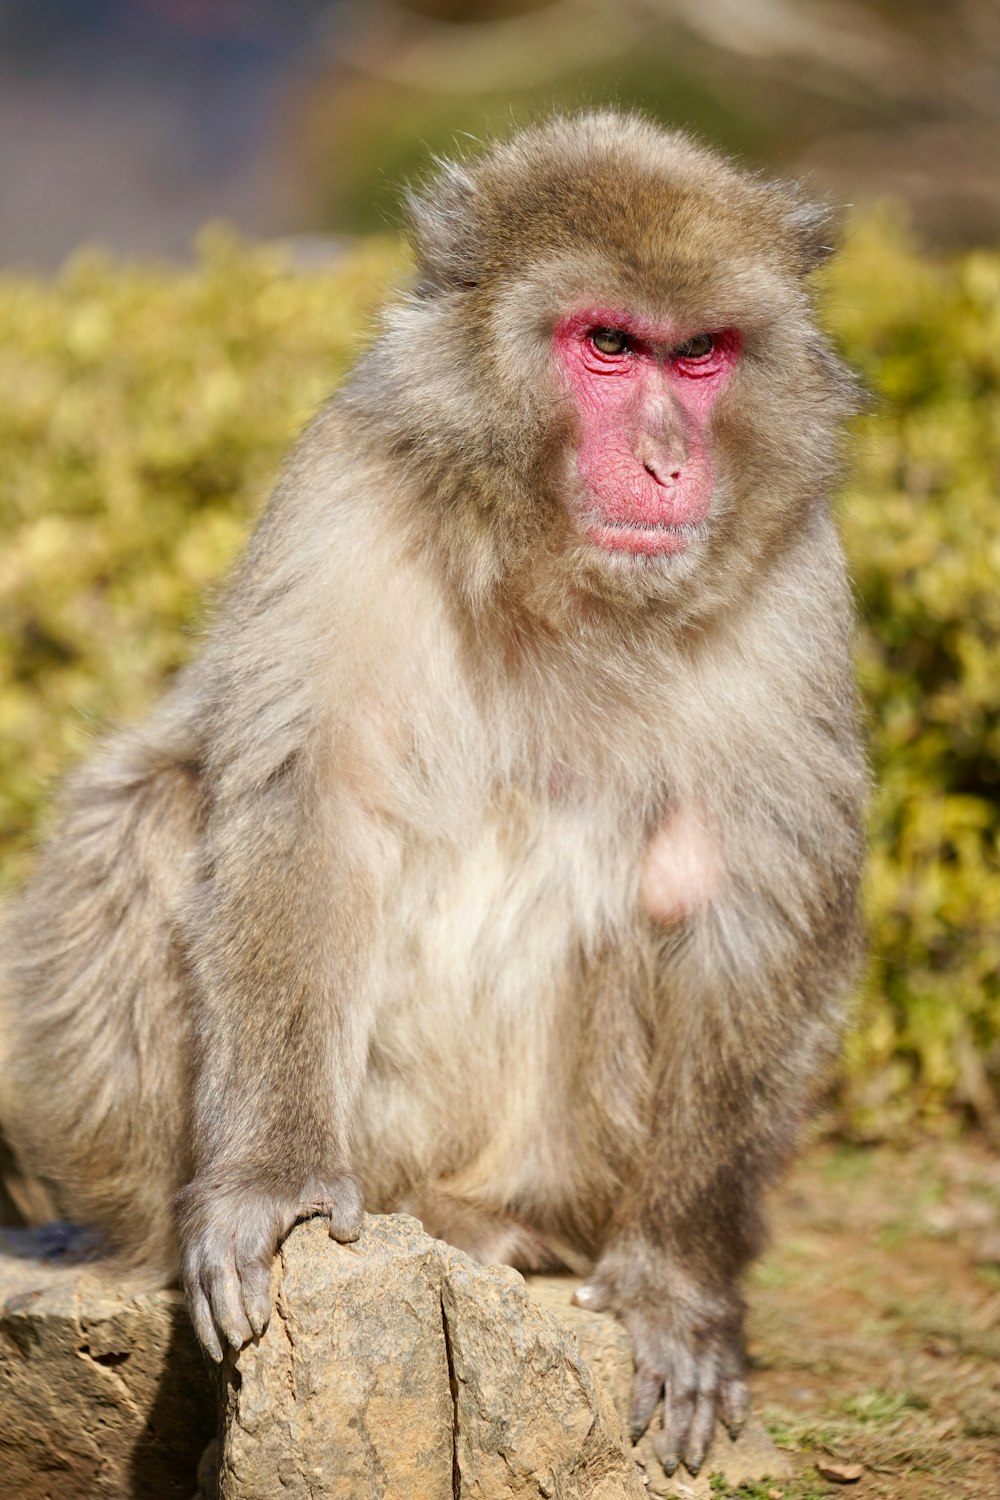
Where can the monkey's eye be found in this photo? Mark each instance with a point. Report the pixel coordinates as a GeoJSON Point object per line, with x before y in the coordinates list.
{"type": "Point", "coordinates": [695, 348]}
{"type": "Point", "coordinates": [609, 340]}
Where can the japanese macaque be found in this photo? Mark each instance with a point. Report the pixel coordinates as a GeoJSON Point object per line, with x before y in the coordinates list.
{"type": "Point", "coordinates": [498, 856]}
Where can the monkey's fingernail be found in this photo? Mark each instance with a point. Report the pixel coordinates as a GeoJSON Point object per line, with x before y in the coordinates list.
{"type": "Point", "coordinates": [669, 1465]}
{"type": "Point", "coordinates": [591, 1295]}
{"type": "Point", "coordinates": [257, 1318]}
{"type": "Point", "coordinates": [344, 1234]}
{"type": "Point", "coordinates": [693, 1466]}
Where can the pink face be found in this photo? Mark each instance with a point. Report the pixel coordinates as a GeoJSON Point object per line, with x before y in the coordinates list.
{"type": "Point", "coordinates": [644, 394]}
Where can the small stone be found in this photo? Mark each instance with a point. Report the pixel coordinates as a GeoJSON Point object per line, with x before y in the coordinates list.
{"type": "Point", "coordinates": [840, 1473]}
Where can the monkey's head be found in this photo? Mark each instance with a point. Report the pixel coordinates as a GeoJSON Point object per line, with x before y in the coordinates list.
{"type": "Point", "coordinates": [609, 365]}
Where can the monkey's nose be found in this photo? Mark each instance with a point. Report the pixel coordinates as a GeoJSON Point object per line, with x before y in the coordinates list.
{"type": "Point", "coordinates": [663, 474]}
{"type": "Point", "coordinates": [662, 460]}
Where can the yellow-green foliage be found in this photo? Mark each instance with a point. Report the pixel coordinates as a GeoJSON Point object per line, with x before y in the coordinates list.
{"type": "Point", "coordinates": [921, 517]}
{"type": "Point", "coordinates": [143, 414]}
{"type": "Point", "coordinates": [144, 411]}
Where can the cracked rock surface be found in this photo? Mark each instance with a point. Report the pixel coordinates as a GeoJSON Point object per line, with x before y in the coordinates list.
{"type": "Point", "coordinates": [393, 1369]}
{"type": "Point", "coordinates": [608, 1352]}
{"type": "Point", "coordinates": [347, 1393]}
{"type": "Point", "coordinates": [102, 1395]}
{"type": "Point", "coordinates": [398, 1369]}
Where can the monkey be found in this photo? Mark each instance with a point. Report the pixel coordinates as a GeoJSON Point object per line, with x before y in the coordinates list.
{"type": "Point", "coordinates": [497, 856]}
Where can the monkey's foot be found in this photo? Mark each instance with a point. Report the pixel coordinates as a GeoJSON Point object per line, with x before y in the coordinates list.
{"type": "Point", "coordinates": [230, 1236]}
{"type": "Point", "coordinates": [688, 1350]}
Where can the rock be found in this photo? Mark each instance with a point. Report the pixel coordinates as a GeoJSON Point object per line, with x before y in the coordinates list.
{"type": "Point", "coordinates": [530, 1417]}
{"type": "Point", "coordinates": [347, 1394]}
{"type": "Point", "coordinates": [393, 1369]}
{"type": "Point", "coordinates": [840, 1473]}
{"type": "Point", "coordinates": [103, 1396]}
{"type": "Point", "coordinates": [605, 1346]}
{"type": "Point", "coordinates": [397, 1368]}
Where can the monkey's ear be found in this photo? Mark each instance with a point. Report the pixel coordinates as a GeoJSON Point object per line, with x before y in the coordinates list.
{"type": "Point", "coordinates": [813, 227]}
{"type": "Point", "coordinates": [442, 220]}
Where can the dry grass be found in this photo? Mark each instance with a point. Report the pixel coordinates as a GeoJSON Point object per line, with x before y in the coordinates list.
{"type": "Point", "coordinates": [875, 1322]}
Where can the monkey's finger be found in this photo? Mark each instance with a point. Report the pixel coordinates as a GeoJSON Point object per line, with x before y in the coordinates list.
{"type": "Point", "coordinates": [700, 1433]}
{"type": "Point", "coordinates": [204, 1326]}
{"type": "Point", "coordinates": [226, 1298]}
{"type": "Point", "coordinates": [647, 1388]}
{"type": "Point", "coordinates": [670, 1442]}
{"type": "Point", "coordinates": [344, 1208]}
{"type": "Point", "coordinates": [666, 1447]}
{"type": "Point", "coordinates": [594, 1295]}
{"type": "Point", "coordinates": [679, 1399]}
{"type": "Point", "coordinates": [255, 1279]}
{"type": "Point", "coordinates": [735, 1404]}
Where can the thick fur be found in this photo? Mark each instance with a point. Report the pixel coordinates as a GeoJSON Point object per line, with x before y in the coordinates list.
{"type": "Point", "coordinates": [363, 896]}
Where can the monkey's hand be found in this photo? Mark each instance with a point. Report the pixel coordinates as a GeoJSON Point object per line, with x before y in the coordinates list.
{"type": "Point", "coordinates": [688, 1349]}
{"type": "Point", "coordinates": [229, 1237]}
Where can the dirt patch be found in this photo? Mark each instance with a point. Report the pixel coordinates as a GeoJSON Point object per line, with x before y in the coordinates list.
{"type": "Point", "coordinates": [874, 1329]}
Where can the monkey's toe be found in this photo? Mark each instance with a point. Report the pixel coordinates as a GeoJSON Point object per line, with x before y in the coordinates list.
{"type": "Point", "coordinates": [735, 1403]}
{"type": "Point", "coordinates": [596, 1296]}
{"type": "Point", "coordinates": [647, 1388]}
{"type": "Point", "coordinates": [228, 1309]}
{"type": "Point", "coordinates": [700, 1431]}
{"type": "Point", "coordinates": [341, 1203]}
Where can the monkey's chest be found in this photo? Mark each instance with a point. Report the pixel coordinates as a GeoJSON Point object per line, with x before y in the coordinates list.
{"type": "Point", "coordinates": [481, 981]}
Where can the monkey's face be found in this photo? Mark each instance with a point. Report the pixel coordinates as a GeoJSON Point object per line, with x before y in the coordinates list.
{"type": "Point", "coordinates": [611, 373]}
{"type": "Point", "coordinates": [642, 477]}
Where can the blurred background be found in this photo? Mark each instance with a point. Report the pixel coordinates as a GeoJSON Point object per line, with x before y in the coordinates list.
{"type": "Point", "coordinates": [150, 386]}
{"type": "Point", "coordinates": [129, 123]}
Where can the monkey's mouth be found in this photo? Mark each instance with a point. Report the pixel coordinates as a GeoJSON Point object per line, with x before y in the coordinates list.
{"type": "Point", "coordinates": [642, 538]}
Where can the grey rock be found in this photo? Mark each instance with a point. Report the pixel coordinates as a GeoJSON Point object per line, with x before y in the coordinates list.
{"type": "Point", "coordinates": [398, 1369]}
{"type": "Point", "coordinates": [393, 1369]}
{"type": "Point", "coordinates": [104, 1395]}
{"type": "Point", "coordinates": [347, 1394]}
{"type": "Point", "coordinates": [605, 1346]}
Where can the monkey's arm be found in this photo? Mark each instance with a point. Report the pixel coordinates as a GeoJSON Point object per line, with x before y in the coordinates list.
{"type": "Point", "coordinates": [279, 951]}
{"type": "Point", "coordinates": [753, 993]}
{"type": "Point", "coordinates": [279, 928]}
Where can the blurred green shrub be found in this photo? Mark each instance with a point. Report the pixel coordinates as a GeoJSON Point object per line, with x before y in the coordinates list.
{"type": "Point", "coordinates": [144, 411]}
{"type": "Point", "coordinates": [921, 518]}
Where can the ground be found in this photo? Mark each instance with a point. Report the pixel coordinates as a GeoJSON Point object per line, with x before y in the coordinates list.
{"type": "Point", "coordinates": [874, 1332]}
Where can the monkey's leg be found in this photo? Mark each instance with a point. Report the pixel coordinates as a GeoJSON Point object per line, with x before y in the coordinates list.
{"type": "Point", "coordinates": [742, 1041]}
{"type": "Point", "coordinates": [281, 943]}
{"type": "Point", "coordinates": [95, 1022]}
{"type": "Point", "coordinates": [491, 1237]}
